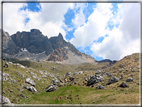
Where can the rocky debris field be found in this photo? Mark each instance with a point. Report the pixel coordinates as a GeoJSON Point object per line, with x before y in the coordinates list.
{"type": "Point", "coordinates": [53, 83]}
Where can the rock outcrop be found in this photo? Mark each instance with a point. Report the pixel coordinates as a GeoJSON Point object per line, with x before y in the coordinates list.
{"type": "Point", "coordinates": [113, 79]}
{"type": "Point", "coordinates": [94, 79]}
{"type": "Point", "coordinates": [34, 45]}
{"type": "Point", "coordinates": [123, 85]}
{"type": "Point", "coordinates": [58, 55]}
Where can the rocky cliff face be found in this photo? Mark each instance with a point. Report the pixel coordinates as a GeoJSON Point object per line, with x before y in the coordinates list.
{"type": "Point", "coordinates": [59, 54]}
{"type": "Point", "coordinates": [9, 46]}
{"type": "Point", "coordinates": [34, 42]}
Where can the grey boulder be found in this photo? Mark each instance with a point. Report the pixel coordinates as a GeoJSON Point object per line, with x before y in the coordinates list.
{"type": "Point", "coordinates": [99, 87]}
{"type": "Point", "coordinates": [94, 79]}
{"type": "Point", "coordinates": [123, 85]}
{"type": "Point", "coordinates": [51, 88]}
{"type": "Point", "coordinates": [30, 81]}
{"type": "Point", "coordinates": [5, 100]}
{"type": "Point", "coordinates": [68, 73]}
{"type": "Point", "coordinates": [31, 88]}
{"type": "Point", "coordinates": [113, 79]}
{"type": "Point", "coordinates": [129, 79]}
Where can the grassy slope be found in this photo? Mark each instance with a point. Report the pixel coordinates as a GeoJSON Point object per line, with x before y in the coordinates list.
{"type": "Point", "coordinates": [79, 93]}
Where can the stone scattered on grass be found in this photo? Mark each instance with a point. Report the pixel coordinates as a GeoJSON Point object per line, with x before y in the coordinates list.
{"type": "Point", "coordinates": [95, 79]}
{"type": "Point", "coordinates": [113, 79]}
{"type": "Point", "coordinates": [123, 85]}
{"type": "Point", "coordinates": [30, 81]}
{"type": "Point", "coordinates": [5, 100]}
{"type": "Point", "coordinates": [129, 79]}
{"type": "Point", "coordinates": [99, 87]}
{"type": "Point", "coordinates": [51, 88]}
{"type": "Point", "coordinates": [30, 88]}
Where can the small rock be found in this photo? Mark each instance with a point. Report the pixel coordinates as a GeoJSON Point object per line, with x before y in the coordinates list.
{"type": "Point", "coordinates": [129, 79]}
{"type": "Point", "coordinates": [31, 88]}
{"type": "Point", "coordinates": [99, 87]}
{"type": "Point", "coordinates": [30, 81]}
{"type": "Point", "coordinates": [5, 79]}
{"type": "Point", "coordinates": [68, 73]}
{"type": "Point", "coordinates": [6, 65]}
{"type": "Point", "coordinates": [113, 79]}
{"type": "Point", "coordinates": [50, 88]}
{"type": "Point", "coordinates": [123, 85]}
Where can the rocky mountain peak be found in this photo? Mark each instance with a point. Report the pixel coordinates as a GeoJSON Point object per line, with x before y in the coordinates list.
{"type": "Point", "coordinates": [38, 45]}
{"type": "Point", "coordinates": [35, 32]}
{"type": "Point", "coordinates": [60, 36]}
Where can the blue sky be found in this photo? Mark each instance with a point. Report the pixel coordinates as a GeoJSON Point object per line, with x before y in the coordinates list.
{"type": "Point", "coordinates": [68, 21]}
{"type": "Point", "coordinates": [97, 29]}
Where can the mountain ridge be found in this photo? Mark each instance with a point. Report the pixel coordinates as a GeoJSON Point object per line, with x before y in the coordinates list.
{"type": "Point", "coordinates": [35, 43]}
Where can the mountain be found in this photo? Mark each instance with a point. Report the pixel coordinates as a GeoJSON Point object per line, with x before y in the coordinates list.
{"type": "Point", "coordinates": [34, 45]}
{"type": "Point", "coordinates": [9, 46]}
{"type": "Point", "coordinates": [104, 60]}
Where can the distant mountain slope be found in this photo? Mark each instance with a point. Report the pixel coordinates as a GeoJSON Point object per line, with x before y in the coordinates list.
{"type": "Point", "coordinates": [34, 45]}
{"type": "Point", "coordinates": [105, 60]}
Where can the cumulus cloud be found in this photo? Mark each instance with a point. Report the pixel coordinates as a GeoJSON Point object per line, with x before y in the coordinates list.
{"type": "Point", "coordinates": [49, 19]}
{"type": "Point", "coordinates": [79, 19]}
{"type": "Point", "coordinates": [123, 40]}
{"type": "Point", "coordinates": [95, 27]}
{"type": "Point", "coordinates": [13, 18]}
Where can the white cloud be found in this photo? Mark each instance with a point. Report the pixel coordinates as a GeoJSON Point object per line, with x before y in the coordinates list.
{"type": "Point", "coordinates": [95, 27]}
{"type": "Point", "coordinates": [79, 19]}
{"type": "Point", "coordinates": [49, 20]}
{"type": "Point", "coordinates": [13, 18]}
{"type": "Point", "coordinates": [123, 40]}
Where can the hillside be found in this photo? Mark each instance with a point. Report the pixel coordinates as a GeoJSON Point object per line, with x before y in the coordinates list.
{"type": "Point", "coordinates": [73, 84]}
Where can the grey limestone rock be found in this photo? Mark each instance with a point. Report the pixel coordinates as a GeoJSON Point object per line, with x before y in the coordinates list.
{"type": "Point", "coordinates": [95, 79]}
{"type": "Point", "coordinates": [68, 73]}
{"type": "Point", "coordinates": [123, 85]}
{"type": "Point", "coordinates": [129, 79]}
{"type": "Point", "coordinates": [99, 87]}
{"type": "Point", "coordinates": [30, 81]}
{"type": "Point", "coordinates": [113, 79]}
{"type": "Point", "coordinates": [51, 88]}
{"type": "Point", "coordinates": [31, 88]}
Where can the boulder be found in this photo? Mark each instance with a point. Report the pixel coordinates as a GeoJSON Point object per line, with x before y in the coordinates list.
{"type": "Point", "coordinates": [55, 82]}
{"type": "Point", "coordinates": [40, 72]}
{"type": "Point", "coordinates": [6, 65]}
{"type": "Point", "coordinates": [5, 74]}
{"type": "Point", "coordinates": [129, 79]}
{"type": "Point", "coordinates": [61, 85]}
{"type": "Point", "coordinates": [113, 79]}
{"type": "Point", "coordinates": [68, 73]}
{"type": "Point", "coordinates": [86, 79]}
{"type": "Point", "coordinates": [5, 79]}
{"type": "Point", "coordinates": [76, 73]}
{"type": "Point", "coordinates": [99, 87]}
{"type": "Point", "coordinates": [51, 88]}
{"type": "Point", "coordinates": [31, 88]}
{"type": "Point", "coordinates": [5, 100]}
{"type": "Point", "coordinates": [108, 74]}
{"type": "Point", "coordinates": [30, 81]}
{"type": "Point", "coordinates": [94, 79]}
{"type": "Point", "coordinates": [123, 85]}
{"type": "Point", "coordinates": [131, 75]}
{"type": "Point", "coordinates": [80, 72]}
{"type": "Point", "coordinates": [44, 76]}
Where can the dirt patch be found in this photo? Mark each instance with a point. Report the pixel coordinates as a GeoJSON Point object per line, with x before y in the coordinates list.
{"type": "Point", "coordinates": [54, 97]}
{"type": "Point", "coordinates": [59, 98]}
